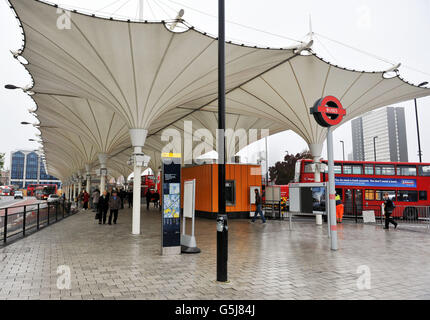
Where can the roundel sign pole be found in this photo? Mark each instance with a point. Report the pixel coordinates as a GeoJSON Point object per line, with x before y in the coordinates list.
{"type": "Point", "coordinates": [328, 112]}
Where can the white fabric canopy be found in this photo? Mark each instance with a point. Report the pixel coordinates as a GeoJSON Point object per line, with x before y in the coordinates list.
{"type": "Point", "coordinates": [102, 77]}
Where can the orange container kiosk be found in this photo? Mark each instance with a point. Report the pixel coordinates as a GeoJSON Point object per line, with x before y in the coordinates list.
{"type": "Point", "coordinates": [239, 179]}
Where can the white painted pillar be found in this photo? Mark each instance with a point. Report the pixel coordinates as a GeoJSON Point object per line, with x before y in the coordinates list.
{"type": "Point", "coordinates": [102, 160]}
{"type": "Point", "coordinates": [316, 150]}
{"type": "Point", "coordinates": [138, 138]}
{"type": "Point", "coordinates": [88, 176]}
{"type": "Point", "coordinates": [74, 191]}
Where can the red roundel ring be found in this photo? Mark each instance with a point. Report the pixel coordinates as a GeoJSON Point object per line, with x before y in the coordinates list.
{"type": "Point", "coordinates": [328, 111]}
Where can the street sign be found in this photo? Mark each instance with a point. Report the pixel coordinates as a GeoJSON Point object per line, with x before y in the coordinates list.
{"type": "Point", "coordinates": [328, 111]}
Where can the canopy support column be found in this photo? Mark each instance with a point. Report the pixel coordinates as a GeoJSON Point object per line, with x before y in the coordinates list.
{"type": "Point", "coordinates": [103, 171]}
{"type": "Point", "coordinates": [316, 150]}
{"type": "Point", "coordinates": [88, 176]}
{"type": "Point", "coordinates": [138, 138]}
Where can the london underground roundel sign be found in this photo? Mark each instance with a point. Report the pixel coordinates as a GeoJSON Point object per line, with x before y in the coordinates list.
{"type": "Point", "coordinates": [328, 111]}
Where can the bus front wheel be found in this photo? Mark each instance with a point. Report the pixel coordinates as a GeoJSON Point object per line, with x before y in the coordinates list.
{"type": "Point", "coordinates": [410, 213]}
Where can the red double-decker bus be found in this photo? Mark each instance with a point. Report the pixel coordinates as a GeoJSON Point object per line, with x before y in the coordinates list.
{"type": "Point", "coordinates": [50, 189]}
{"type": "Point", "coordinates": [361, 185]}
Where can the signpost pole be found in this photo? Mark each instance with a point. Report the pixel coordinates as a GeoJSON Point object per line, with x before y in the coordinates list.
{"type": "Point", "coordinates": [331, 190]}
{"type": "Point", "coordinates": [222, 228]}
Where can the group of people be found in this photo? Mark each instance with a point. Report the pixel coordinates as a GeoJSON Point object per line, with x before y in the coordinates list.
{"type": "Point", "coordinates": [152, 196]}
{"type": "Point", "coordinates": [104, 202]}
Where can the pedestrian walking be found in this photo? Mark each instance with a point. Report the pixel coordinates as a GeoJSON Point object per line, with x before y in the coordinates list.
{"type": "Point", "coordinates": [156, 199]}
{"type": "Point", "coordinates": [103, 207]}
{"type": "Point", "coordinates": [130, 198]}
{"type": "Point", "coordinates": [148, 196]}
{"type": "Point", "coordinates": [122, 196]}
{"type": "Point", "coordinates": [114, 206]}
{"type": "Point", "coordinates": [258, 205]}
{"type": "Point", "coordinates": [96, 197]}
{"type": "Point", "coordinates": [388, 208]}
{"type": "Point", "coordinates": [86, 199]}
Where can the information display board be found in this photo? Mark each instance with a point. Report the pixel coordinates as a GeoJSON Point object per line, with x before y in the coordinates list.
{"type": "Point", "coordinates": [171, 193]}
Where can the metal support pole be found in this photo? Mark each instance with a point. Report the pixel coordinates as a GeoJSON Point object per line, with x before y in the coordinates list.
{"type": "Point", "coordinates": [48, 210]}
{"type": "Point", "coordinates": [5, 227]}
{"type": "Point", "coordinates": [38, 215]}
{"type": "Point", "coordinates": [222, 227]}
{"type": "Point", "coordinates": [331, 188]}
{"type": "Point", "coordinates": [23, 221]}
{"type": "Point", "coordinates": [418, 132]}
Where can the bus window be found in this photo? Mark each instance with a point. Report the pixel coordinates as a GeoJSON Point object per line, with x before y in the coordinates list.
{"type": "Point", "coordinates": [337, 169]}
{"type": "Point", "coordinates": [369, 195]}
{"type": "Point", "coordinates": [347, 169]}
{"type": "Point", "coordinates": [385, 170]}
{"type": "Point", "coordinates": [308, 168]}
{"type": "Point", "coordinates": [424, 171]}
{"type": "Point", "coordinates": [423, 195]}
{"type": "Point", "coordinates": [408, 195]}
{"type": "Point", "coordinates": [357, 169]}
{"type": "Point", "coordinates": [380, 195]}
{"type": "Point", "coordinates": [368, 169]}
{"type": "Point", "coordinates": [406, 170]}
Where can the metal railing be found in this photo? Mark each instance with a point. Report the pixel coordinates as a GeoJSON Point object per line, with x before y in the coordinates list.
{"type": "Point", "coordinates": [16, 222]}
{"type": "Point", "coordinates": [412, 216]}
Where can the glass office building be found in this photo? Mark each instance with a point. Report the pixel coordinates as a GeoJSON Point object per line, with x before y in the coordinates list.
{"type": "Point", "coordinates": [28, 167]}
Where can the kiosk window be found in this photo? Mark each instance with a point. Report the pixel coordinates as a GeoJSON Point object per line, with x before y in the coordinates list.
{"type": "Point", "coordinates": [406, 171]}
{"type": "Point", "coordinates": [423, 195]}
{"type": "Point", "coordinates": [424, 171]}
{"type": "Point", "coordinates": [230, 192]}
{"type": "Point", "coordinates": [408, 196]}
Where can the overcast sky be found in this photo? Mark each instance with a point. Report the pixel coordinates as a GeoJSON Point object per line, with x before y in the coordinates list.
{"type": "Point", "coordinates": [395, 30]}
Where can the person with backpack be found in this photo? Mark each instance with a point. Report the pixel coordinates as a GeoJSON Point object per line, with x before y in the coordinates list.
{"type": "Point", "coordinates": [388, 208]}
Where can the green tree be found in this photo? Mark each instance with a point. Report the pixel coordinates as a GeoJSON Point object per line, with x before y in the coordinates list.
{"type": "Point", "coordinates": [283, 172]}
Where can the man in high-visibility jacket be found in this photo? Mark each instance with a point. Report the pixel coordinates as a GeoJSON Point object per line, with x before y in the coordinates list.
{"type": "Point", "coordinates": [339, 209]}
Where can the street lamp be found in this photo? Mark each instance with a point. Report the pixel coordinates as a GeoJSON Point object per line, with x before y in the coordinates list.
{"type": "Point", "coordinates": [418, 126]}
{"type": "Point", "coordinates": [343, 149]}
{"type": "Point", "coordinates": [25, 89]}
{"type": "Point", "coordinates": [374, 146]}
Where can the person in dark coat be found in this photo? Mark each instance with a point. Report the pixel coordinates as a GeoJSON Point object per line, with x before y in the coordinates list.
{"type": "Point", "coordinates": [148, 196]}
{"type": "Point", "coordinates": [103, 206]}
{"type": "Point", "coordinates": [388, 208]}
{"type": "Point", "coordinates": [156, 199]}
{"type": "Point", "coordinates": [114, 206]}
{"type": "Point", "coordinates": [130, 198]}
{"type": "Point", "coordinates": [122, 195]}
{"type": "Point", "coordinates": [258, 205]}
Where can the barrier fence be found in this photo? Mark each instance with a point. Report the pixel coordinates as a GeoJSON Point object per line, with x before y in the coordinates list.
{"type": "Point", "coordinates": [16, 222]}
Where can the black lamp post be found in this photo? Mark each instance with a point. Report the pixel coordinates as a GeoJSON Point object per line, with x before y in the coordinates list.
{"type": "Point", "coordinates": [222, 228]}
{"type": "Point", "coordinates": [420, 154]}
{"type": "Point", "coordinates": [374, 146]}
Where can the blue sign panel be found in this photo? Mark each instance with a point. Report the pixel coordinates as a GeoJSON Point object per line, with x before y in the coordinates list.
{"type": "Point", "coordinates": [376, 182]}
{"type": "Point", "coordinates": [171, 236]}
